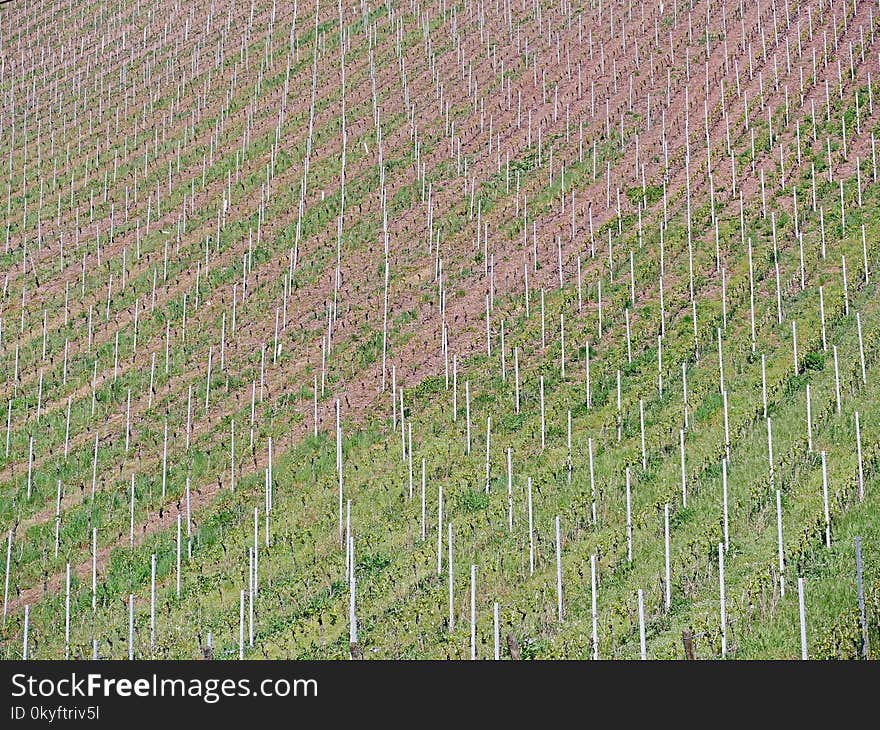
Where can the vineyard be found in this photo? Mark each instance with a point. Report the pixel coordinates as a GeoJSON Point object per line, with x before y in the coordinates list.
{"type": "Point", "coordinates": [452, 329]}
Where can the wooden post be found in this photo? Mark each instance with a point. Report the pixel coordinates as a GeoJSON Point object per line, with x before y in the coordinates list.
{"type": "Point", "coordinates": [241, 625]}
{"type": "Point", "coordinates": [473, 612]}
{"type": "Point", "coordinates": [825, 499]}
{"type": "Point", "coordinates": [666, 582]}
{"type": "Point", "coordinates": [722, 600]}
{"type": "Point", "coordinates": [559, 606]}
{"type": "Point", "coordinates": [450, 577]}
{"type": "Point", "coordinates": [592, 480]}
{"type": "Point", "coordinates": [810, 420]}
{"type": "Point", "coordinates": [516, 376]}
{"type": "Point", "coordinates": [440, 529]}
{"type": "Point", "coordinates": [542, 416]}
{"type": "Point", "coordinates": [178, 555]}
{"type": "Point", "coordinates": [642, 428]}
{"type": "Point", "coordinates": [862, 618]}
{"type": "Point", "coordinates": [859, 453]}
{"type": "Point", "coordinates": [27, 616]}
{"type": "Point", "coordinates": [352, 616]}
{"type": "Point", "coordinates": [131, 627]}
{"type": "Point", "coordinates": [467, 401]}
{"type": "Point", "coordinates": [496, 633]}
{"type": "Point", "coordinates": [67, 613]}
{"type": "Point", "coordinates": [509, 490]}
{"type": "Point", "coordinates": [861, 362]}
{"type": "Point", "coordinates": [725, 503]}
{"type": "Point", "coordinates": [779, 544]}
{"type": "Point", "coordinates": [803, 620]}
{"type": "Point", "coordinates": [629, 529]}
{"type": "Point", "coordinates": [687, 638]}
{"type": "Point", "coordinates": [6, 578]}
{"type": "Point", "coordinates": [424, 504]}
{"type": "Point", "coordinates": [642, 648]}
{"type": "Point", "coordinates": [94, 568]}
{"type": "Point", "coordinates": [531, 531]}
{"type": "Point", "coordinates": [684, 500]}
{"type": "Point", "coordinates": [152, 603]}
{"type": "Point", "coordinates": [593, 611]}
{"type": "Point", "coordinates": [488, 443]}
{"type": "Point", "coordinates": [836, 381]}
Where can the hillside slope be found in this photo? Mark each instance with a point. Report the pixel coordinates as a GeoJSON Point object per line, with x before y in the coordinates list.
{"type": "Point", "coordinates": [510, 294]}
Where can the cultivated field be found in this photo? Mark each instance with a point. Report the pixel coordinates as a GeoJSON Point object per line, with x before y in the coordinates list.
{"type": "Point", "coordinates": [513, 329]}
